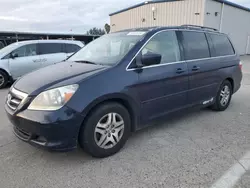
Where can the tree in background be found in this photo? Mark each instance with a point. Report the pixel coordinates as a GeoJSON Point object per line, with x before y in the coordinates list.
{"type": "Point", "coordinates": [107, 28]}
{"type": "Point", "coordinates": [96, 31]}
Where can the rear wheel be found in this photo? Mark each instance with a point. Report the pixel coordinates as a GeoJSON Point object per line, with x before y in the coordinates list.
{"type": "Point", "coordinates": [223, 97]}
{"type": "Point", "coordinates": [106, 130]}
{"type": "Point", "coordinates": [3, 79]}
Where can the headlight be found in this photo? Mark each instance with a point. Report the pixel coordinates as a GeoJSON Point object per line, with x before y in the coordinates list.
{"type": "Point", "coordinates": [53, 99]}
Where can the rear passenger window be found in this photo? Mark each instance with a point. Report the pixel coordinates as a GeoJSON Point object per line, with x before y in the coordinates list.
{"type": "Point", "coordinates": [221, 44]}
{"type": "Point", "coordinates": [72, 48]}
{"type": "Point", "coordinates": [195, 45]}
{"type": "Point", "coordinates": [50, 48]}
{"type": "Point", "coordinates": [165, 44]}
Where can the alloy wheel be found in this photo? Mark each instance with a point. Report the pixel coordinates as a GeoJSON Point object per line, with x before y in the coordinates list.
{"type": "Point", "coordinates": [1, 80]}
{"type": "Point", "coordinates": [225, 95]}
{"type": "Point", "coordinates": [109, 130]}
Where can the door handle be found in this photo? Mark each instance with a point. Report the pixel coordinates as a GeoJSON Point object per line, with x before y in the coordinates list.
{"type": "Point", "coordinates": [179, 71]}
{"type": "Point", "coordinates": [36, 60]}
{"type": "Point", "coordinates": [195, 68]}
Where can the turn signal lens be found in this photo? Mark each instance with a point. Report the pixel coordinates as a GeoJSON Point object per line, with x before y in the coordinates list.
{"type": "Point", "coordinates": [67, 96]}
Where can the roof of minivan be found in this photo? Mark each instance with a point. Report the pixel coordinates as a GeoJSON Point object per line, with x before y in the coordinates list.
{"type": "Point", "coordinates": [190, 27]}
{"type": "Point", "coordinates": [162, 1]}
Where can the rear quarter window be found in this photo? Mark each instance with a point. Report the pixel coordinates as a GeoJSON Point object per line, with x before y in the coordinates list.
{"type": "Point", "coordinates": [72, 48]}
{"type": "Point", "coordinates": [221, 45]}
{"type": "Point", "coordinates": [195, 45]}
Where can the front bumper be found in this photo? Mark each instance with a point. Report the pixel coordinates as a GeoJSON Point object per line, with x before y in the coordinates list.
{"type": "Point", "coordinates": [53, 130]}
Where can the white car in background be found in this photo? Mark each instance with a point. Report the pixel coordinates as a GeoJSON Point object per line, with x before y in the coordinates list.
{"type": "Point", "coordinates": [20, 58]}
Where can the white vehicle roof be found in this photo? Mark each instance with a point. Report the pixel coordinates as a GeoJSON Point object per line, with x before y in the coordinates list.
{"type": "Point", "coordinates": [50, 41]}
{"type": "Point", "coordinates": [6, 50]}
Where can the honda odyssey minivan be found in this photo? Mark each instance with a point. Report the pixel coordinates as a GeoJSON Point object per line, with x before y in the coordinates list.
{"type": "Point", "coordinates": [119, 83]}
{"type": "Point", "coordinates": [20, 58]}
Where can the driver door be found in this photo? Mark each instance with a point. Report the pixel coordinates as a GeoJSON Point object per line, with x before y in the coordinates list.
{"type": "Point", "coordinates": [163, 88]}
{"type": "Point", "coordinates": [24, 60]}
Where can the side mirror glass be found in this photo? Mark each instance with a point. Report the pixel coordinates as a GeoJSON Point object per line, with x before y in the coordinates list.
{"type": "Point", "coordinates": [14, 55]}
{"type": "Point", "coordinates": [151, 59]}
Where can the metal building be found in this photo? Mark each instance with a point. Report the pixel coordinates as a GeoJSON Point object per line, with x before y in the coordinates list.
{"type": "Point", "coordinates": [223, 15]}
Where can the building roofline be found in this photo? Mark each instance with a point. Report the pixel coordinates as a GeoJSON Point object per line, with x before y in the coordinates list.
{"type": "Point", "coordinates": [233, 4]}
{"type": "Point", "coordinates": [162, 1]}
{"type": "Point", "coordinates": [141, 4]}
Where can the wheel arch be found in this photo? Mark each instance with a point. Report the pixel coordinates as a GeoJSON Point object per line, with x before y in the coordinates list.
{"type": "Point", "coordinates": [7, 73]}
{"type": "Point", "coordinates": [231, 81]}
{"type": "Point", "coordinates": [9, 78]}
{"type": "Point", "coordinates": [122, 99]}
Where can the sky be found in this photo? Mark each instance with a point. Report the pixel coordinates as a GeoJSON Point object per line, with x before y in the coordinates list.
{"type": "Point", "coordinates": [76, 16]}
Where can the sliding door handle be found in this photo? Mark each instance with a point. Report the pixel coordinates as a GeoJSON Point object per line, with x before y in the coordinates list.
{"type": "Point", "coordinates": [195, 68]}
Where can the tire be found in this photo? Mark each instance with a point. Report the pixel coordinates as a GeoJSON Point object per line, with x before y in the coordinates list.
{"type": "Point", "coordinates": [95, 139]}
{"type": "Point", "coordinates": [3, 79]}
{"type": "Point", "coordinates": [219, 105]}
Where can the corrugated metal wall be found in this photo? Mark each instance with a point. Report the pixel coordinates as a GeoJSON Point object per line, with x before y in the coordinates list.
{"type": "Point", "coordinates": [235, 22]}
{"type": "Point", "coordinates": [166, 14]}
{"type": "Point", "coordinates": [210, 19]}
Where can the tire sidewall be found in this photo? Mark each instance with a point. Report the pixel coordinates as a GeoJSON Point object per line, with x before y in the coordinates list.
{"type": "Point", "coordinates": [87, 137]}
{"type": "Point", "coordinates": [5, 76]}
{"type": "Point", "coordinates": [218, 104]}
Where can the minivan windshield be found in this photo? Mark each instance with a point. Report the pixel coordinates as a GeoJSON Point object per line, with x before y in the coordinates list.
{"type": "Point", "coordinates": [108, 49]}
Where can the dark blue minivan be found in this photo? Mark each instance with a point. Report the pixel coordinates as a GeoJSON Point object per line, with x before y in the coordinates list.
{"type": "Point", "coordinates": [119, 83]}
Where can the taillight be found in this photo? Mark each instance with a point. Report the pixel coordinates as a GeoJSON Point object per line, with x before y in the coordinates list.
{"type": "Point", "coordinates": [240, 65]}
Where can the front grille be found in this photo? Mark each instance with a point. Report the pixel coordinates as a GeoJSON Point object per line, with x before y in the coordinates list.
{"type": "Point", "coordinates": [13, 102]}
{"type": "Point", "coordinates": [15, 98]}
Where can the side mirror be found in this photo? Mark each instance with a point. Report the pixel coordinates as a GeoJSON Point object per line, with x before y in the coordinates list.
{"type": "Point", "coordinates": [13, 56]}
{"type": "Point", "coordinates": [150, 59]}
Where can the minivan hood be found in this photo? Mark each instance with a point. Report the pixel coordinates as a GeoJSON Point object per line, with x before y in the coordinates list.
{"type": "Point", "coordinates": [42, 79]}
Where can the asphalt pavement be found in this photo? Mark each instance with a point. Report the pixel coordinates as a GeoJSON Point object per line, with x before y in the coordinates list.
{"type": "Point", "coordinates": [191, 150]}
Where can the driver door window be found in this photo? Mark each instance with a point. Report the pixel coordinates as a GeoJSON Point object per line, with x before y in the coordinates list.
{"type": "Point", "coordinates": [24, 60]}
{"type": "Point", "coordinates": [165, 44]}
{"type": "Point", "coordinates": [27, 50]}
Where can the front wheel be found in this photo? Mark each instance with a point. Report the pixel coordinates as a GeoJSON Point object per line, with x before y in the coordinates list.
{"type": "Point", "coordinates": [3, 79]}
{"type": "Point", "coordinates": [223, 97]}
{"type": "Point", "coordinates": [106, 130]}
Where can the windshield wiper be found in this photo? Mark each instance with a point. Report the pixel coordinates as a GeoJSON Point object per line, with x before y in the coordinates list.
{"type": "Point", "coordinates": [87, 62]}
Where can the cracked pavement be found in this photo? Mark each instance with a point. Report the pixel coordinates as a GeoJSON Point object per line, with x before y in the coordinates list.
{"type": "Point", "coordinates": [190, 150]}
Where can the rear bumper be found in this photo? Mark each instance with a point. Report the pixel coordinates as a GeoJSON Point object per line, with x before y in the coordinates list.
{"type": "Point", "coordinates": [55, 130]}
